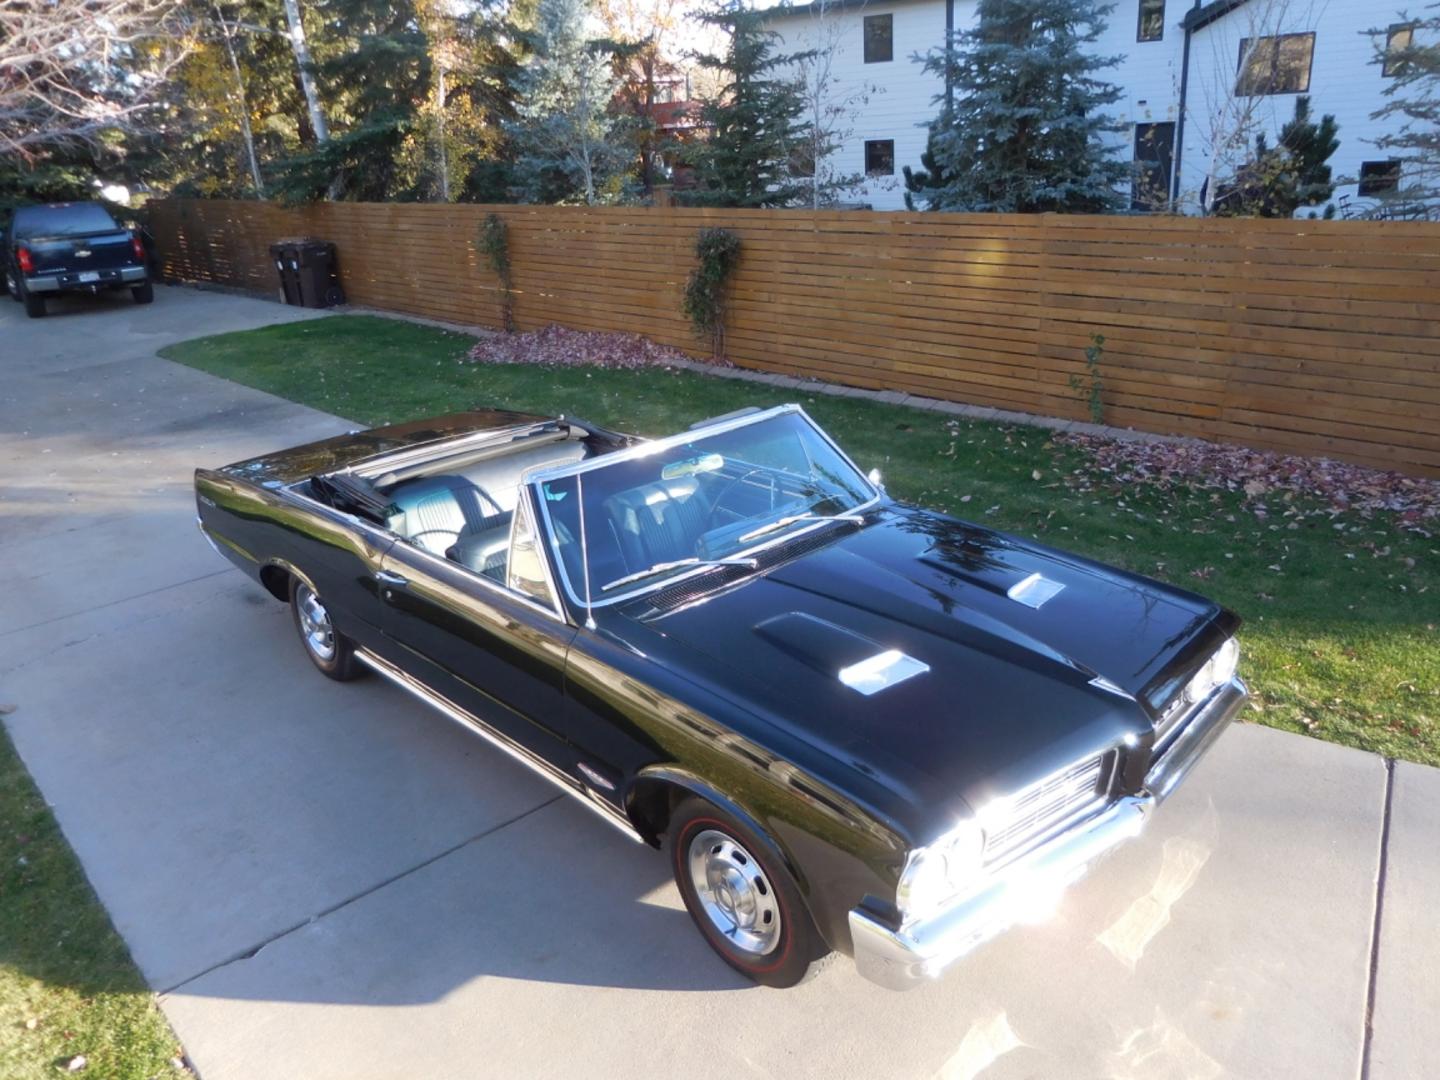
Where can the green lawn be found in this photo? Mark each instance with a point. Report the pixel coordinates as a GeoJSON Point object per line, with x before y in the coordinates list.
{"type": "Point", "coordinates": [1341, 638]}
{"type": "Point", "coordinates": [67, 985]}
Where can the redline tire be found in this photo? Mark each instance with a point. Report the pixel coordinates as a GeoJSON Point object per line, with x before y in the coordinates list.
{"type": "Point", "coordinates": [778, 959]}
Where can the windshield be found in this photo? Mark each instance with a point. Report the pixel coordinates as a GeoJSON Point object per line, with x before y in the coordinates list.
{"type": "Point", "coordinates": [66, 219]}
{"type": "Point", "coordinates": [650, 518]}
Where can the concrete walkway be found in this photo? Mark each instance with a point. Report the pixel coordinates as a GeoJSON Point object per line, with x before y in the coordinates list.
{"type": "Point", "coordinates": [331, 881]}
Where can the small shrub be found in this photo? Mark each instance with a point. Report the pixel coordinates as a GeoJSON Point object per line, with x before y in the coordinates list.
{"type": "Point", "coordinates": [1091, 388]}
{"type": "Point", "coordinates": [716, 252]}
{"type": "Point", "coordinates": [495, 243]}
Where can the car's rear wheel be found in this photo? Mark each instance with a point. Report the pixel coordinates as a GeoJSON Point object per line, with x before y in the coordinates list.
{"type": "Point", "coordinates": [745, 903]}
{"type": "Point", "coordinates": [143, 294]}
{"type": "Point", "coordinates": [329, 650]}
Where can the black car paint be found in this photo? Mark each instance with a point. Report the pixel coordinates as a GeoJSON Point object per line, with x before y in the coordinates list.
{"type": "Point", "coordinates": [695, 698]}
{"type": "Point", "coordinates": [60, 254]}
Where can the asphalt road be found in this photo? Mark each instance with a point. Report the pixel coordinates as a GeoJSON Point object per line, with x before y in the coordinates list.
{"type": "Point", "coordinates": [328, 880]}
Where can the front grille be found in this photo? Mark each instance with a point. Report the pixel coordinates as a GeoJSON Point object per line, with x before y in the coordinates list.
{"type": "Point", "coordinates": [1035, 811]}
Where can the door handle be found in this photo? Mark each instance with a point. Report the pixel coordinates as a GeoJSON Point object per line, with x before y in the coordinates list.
{"type": "Point", "coordinates": [394, 581]}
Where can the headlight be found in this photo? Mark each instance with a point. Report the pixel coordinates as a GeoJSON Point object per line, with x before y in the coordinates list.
{"type": "Point", "coordinates": [1220, 668]}
{"type": "Point", "coordinates": [935, 873]}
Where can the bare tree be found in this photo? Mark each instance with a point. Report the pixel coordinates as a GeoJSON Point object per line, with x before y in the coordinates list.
{"type": "Point", "coordinates": [1248, 61]}
{"type": "Point", "coordinates": [831, 105]}
{"type": "Point", "coordinates": [71, 69]}
{"type": "Point", "coordinates": [228, 33]}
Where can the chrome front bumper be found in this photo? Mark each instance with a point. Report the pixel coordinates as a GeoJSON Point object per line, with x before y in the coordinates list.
{"type": "Point", "coordinates": [1028, 889]}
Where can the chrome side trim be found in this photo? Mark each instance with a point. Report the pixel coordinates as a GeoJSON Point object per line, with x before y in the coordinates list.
{"type": "Point", "coordinates": [500, 741]}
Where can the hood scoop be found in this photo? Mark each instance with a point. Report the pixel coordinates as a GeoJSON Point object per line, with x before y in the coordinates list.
{"type": "Point", "coordinates": [858, 662]}
{"type": "Point", "coordinates": [1034, 591]}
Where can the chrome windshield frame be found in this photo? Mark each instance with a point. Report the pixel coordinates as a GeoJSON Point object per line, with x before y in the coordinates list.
{"type": "Point", "coordinates": [655, 445]}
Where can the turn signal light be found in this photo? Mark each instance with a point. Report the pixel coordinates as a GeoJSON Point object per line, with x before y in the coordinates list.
{"type": "Point", "coordinates": [27, 264]}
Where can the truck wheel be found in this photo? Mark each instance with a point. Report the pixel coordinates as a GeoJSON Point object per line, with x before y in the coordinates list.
{"type": "Point", "coordinates": [143, 294]}
{"type": "Point", "coordinates": [744, 902]}
{"type": "Point", "coordinates": [34, 304]}
{"type": "Point", "coordinates": [329, 650]}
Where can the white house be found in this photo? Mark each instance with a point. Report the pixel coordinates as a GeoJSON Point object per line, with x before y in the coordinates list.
{"type": "Point", "coordinates": [1198, 83]}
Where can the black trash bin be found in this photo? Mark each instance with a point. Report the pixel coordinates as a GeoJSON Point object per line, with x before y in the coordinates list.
{"type": "Point", "coordinates": [283, 255]}
{"type": "Point", "coordinates": [308, 274]}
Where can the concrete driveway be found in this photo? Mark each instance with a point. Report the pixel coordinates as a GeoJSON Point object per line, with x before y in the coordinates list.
{"type": "Point", "coordinates": [328, 880]}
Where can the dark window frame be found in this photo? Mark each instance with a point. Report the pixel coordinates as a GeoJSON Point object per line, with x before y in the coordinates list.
{"type": "Point", "coordinates": [1393, 66]}
{"type": "Point", "coordinates": [889, 23]}
{"type": "Point", "coordinates": [1159, 34]}
{"type": "Point", "coordinates": [878, 143]}
{"type": "Point", "coordinates": [1150, 198]}
{"type": "Point", "coordinates": [1244, 89]}
{"type": "Point", "coordinates": [1384, 173]}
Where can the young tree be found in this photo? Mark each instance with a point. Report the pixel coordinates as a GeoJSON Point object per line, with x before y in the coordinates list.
{"type": "Point", "coordinates": [1277, 181]}
{"type": "Point", "coordinates": [931, 177]}
{"type": "Point", "coordinates": [831, 107]}
{"type": "Point", "coordinates": [644, 32]}
{"type": "Point", "coordinates": [755, 120]}
{"type": "Point", "coordinates": [1024, 132]}
{"type": "Point", "coordinates": [567, 140]}
{"type": "Point", "coordinates": [1414, 102]}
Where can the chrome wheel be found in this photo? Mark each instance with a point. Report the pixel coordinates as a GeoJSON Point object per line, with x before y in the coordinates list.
{"type": "Point", "coordinates": [315, 625]}
{"type": "Point", "coordinates": [734, 892]}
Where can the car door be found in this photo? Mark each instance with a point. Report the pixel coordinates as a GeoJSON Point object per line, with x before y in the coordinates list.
{"type": "Point", "coordinates": [494, 648]}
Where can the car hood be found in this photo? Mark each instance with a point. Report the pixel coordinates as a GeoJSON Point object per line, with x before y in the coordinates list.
{"type": "Point", "coordinates": [1010, 694]}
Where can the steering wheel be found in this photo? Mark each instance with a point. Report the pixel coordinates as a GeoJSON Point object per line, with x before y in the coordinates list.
{"type": "Point", "coordinates": [725, 492]}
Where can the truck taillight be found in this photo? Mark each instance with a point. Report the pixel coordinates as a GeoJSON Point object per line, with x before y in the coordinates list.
{"type": "Point", "coordinates": [137, 247]}
{"type": "Point", "coordinates": [27, 264]}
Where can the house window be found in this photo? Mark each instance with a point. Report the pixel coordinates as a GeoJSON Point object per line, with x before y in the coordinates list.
{"type": "Point", "coordinates": [1152, 20]}
{"type": "Point", "coordinates": [1397, 40]}
{"type": "Point", "coordinates": [879, 39]}
{"type": "Point", "coordinates": [1379, 178]}
{"type": "Point", "coordinates": [879, 157]}
{"type": "Point", "coordinates": [1275, 65]}
{"type": "Point", "coordinates": [1154, 157]}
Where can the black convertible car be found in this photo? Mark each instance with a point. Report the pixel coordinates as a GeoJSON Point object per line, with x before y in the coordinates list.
{"type": "Point", "coordinates": [857, 725]}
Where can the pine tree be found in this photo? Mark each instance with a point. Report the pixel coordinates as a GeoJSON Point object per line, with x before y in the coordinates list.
{"type": "Point", "coordinates": [754, 120]}
{"type": "Point", "coordinates": [1277, 181]}
{"type": "Point", "coordinates": [1024, 132]}
{"type": "Point", "coordinates": [568, 142]}
{"type": "Point", "coordinates": [931, 176]}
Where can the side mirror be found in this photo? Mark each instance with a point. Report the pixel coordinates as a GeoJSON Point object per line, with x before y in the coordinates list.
{"type": "Point", "coordinates": [874, 477]}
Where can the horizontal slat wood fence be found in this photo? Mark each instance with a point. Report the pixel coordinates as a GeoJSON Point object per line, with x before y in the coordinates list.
{"type": "Point", "coordinates": [1318, 338]}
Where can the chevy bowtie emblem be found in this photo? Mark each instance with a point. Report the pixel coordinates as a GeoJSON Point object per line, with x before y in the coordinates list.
{"type": "Point", "coordinates": [82, 254]}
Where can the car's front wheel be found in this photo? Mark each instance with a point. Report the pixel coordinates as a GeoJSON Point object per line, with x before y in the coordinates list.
{"type": "Point", "coordinates": [329, 650]}
{"type": "Point", "coordinates": [744, 901]}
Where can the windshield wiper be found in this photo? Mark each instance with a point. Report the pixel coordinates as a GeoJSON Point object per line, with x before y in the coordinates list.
{"type": "Point", "coordinates": [660, 568]}
{"type": "Point", "coordinates": [793, 519]}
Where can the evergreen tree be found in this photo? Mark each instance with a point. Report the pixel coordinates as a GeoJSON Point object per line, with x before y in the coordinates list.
{"type": "Point", "coordinates": [1277, 181]}
{"type": "Point", "coordinates": [931, 176]}
{"type": "Point", "coordinates": [754, 119]}
{"type": "Point", "coordinates": [1024, 132]}
{"type": "Point", "coordinates": [568, 142]}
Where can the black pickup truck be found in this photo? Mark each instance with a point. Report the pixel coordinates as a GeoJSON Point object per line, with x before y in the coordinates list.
{"type": "Point", "coordinates": [71, 247]}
